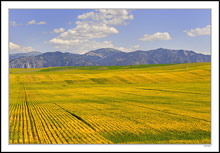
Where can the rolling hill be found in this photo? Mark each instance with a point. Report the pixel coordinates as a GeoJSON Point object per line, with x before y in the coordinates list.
{"type": "Point", "coordinates": [136, 104]}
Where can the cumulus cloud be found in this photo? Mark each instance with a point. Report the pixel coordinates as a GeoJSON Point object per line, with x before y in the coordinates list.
{"type": "Point", "coordinates": [59, 30]}
{"type": "Point", "coordinates": [88, 30]}
{"type": "Point", "coordinates": [156, 36]}
{"type": "Point", "coordinates": [79, 46]}
{"type": "Point", "coordinates": [89, 26]}
{"type": "Point", "coordinates": [199, 31]}
{"type": "Point", "coordinates": [206, 53]}
{"type": "Point", "coordinates": [83, 46]}
{"type": "Point", "coordinates": [108, 16]}
{"type": "Point", "coordinates": [42, 22]}
{"type": "Point", "coordinates": [136, 47]}
{"type": "Point", "coordinates": [13, 23]}
{"type": "Point", "coordinates": [98, 24]}
{"type": "Point", "coordinates": [124, 49]}
{"type": "Point", "coordinates": [34, 22]}
{"type": "Point", "coordinates": [31, 22]}
{"type": "Point", "coordinates": [15, 48]}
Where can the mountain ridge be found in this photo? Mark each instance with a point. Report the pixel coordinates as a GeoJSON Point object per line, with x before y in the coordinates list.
{"type": "Point", "coordinates": [19, 55]}
{"type": "Point", "coordinates": [109, 56]}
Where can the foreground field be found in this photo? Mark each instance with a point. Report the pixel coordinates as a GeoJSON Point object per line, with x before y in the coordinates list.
{"type": "Point", "coordinates": [116, 104]}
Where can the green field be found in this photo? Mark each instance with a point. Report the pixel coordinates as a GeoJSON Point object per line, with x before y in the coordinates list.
{"type": "Point", "coordinates": [139, 104]}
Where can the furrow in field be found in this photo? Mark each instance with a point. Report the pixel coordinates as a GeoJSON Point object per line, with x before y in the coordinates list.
{"type": "Point", "coordinates": [26, 126]}
{"type": "Point", "coordinates": [49, 115]}
{"type": "Point", "coordinates": [136, 100]}
{"type": "Point", "coordinates": [123, 105]}
{"type": "Point", "coordinates": [59, 121]}
{"type": "Point", "coordinates": [46, 128]}
{"type": "Point", "coordinates": [94, 136]}
{"type": "Point", "coordinates": [51, 126]}
{"type": "Point", "coordinates": [65, 126]}
{"type": "Point", "coordinates": [33, 129]}
{"type": "Point", "coordinates": [20, 139]}
{"type": "Point", "coordinates": [90, 135]}
{"type": "Point", "coordinates": [11, 122]}
{"type": "Point", "coordinates": [172, 91]}
{"type": "Point", "coordinates": [76, 116]}
{"type": "Point", "coordinates": [13, 133]}
{"type": "Point", "coordinates": [23, 123]}
{"type": "Point", "coordinates": [13, 116]}
{"type": "Point", "coordinates": [171, 113]}
{"type": "Point", "coordinates": [43, 126]}
{"type": "Point", "coordinates": [41, 132]}
{"type": "Point", "coordinates": [168, 104]}
{"type": "Point", "coordinates": [79, 134]}
{"type": "Point", "coordinates": [108, 121]}
{"type": "Point", "coordinates": [60, 126]}
{"type": "Point", "coordinates": [72, 126]}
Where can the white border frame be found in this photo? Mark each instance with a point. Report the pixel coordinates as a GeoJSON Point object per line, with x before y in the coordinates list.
{"type": "Point", "coordinates": [88, 5]}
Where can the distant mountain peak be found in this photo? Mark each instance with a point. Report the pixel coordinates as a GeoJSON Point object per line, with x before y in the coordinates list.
{"type": "Point", "coordinates": [20, 55]}
{"type": "Point", "coordinates": [108, 56]}
{"type": "Point", "coordinates": [31, 52]}
{"type": "Point", "coordinates": [103, 52]}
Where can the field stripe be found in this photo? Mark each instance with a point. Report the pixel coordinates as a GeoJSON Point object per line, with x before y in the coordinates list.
{"type": "Point", "coordinates": [45, 125]}
{"type": "Point", "coordinates": [172, 91]}
{"type": "Point", "coordinates": [79, 118]}
{"type": "Point", "coordinates": [171, 113]}
{"type": "Point", "coordinates": [32, 120]}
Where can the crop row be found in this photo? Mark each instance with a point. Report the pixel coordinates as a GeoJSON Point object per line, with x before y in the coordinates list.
{"type": "Point", "coordinates": [31, 122]}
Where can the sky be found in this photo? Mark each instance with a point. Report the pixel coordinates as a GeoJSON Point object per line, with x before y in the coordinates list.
{"type": "Point", "coordinates": [82, 30]}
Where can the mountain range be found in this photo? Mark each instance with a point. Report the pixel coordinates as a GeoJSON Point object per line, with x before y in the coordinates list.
{"type": "Point", "coordinates": [105, 57]}
{"type": "Point", "coordinates": [19, 55]}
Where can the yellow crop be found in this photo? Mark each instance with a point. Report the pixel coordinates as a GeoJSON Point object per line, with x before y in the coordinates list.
{"type": "Point", "coordinates": [103, 105]}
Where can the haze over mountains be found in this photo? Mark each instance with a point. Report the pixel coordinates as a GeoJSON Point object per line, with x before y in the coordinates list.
{"type": "Point", "coordinates": [105, 57]}
{"type": "Point", "coordinates": [19, 55]}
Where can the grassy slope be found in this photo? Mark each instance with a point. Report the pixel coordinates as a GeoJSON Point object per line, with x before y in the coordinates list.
{"type": "Point", "coordinates": [116, 104]}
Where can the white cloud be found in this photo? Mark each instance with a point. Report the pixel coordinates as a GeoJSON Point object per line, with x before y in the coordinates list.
{"type": "Point", "coordinates": [203, 52]}
{"type": "Point", "coordinates": [34, 22]}
{"type": "Point", "coordinates": [42, 22]}
{"type": "Point", "coordinates": [31, 22]}
{"type": "Point", "coordinates": [15, 48]}
{"type": "Point", "coordinates": [206, 53]}
{"type": "Point", "coordinates": [83, 46]}
{"type": "Point", "coordinates": [108, 16]}
{"type": "Point", "coordinates": [92, 25]}
{"type": "Point", "coordinates": [79, 46]}
{"type": "Point", "coordinates": [136, 46]}
{"type": "Point", "coordinates": [59, 30]}
{"type": "Point", "coordinates": [86, 15]}
{"type": "Point", "coordinates": [62, 42]}
{"type": "Point", "coordinates": [13, 23]}
{"type": "Point", "coordinates": [98, 24]}
{"type": "Point", "coordinates": [88, 30]}
{"type": "Point", "coordinates": [156, 36]}
{"type": "Point", "coordinates": [199, 31]}
{"type": "Point", "coordinates": [124, 49]}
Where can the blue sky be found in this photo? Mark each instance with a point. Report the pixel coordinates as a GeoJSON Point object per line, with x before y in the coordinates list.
{"type": "Point", "coordinates": [79, 31]}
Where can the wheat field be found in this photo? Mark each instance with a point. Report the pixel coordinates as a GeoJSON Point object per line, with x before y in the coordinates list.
{"type": "Point", "coordinates": [139, 104]}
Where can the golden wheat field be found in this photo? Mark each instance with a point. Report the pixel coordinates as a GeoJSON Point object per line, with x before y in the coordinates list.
{"type": "Point", "coordinates": [145, 104]}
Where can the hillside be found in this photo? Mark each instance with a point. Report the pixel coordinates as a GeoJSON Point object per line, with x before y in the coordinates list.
{"type": "Point", "coordinates": [20, 55]}
{"type": "Point", "coordinates": [108, 57]}
{"type": "Point", "coordinates": [137, 104]}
